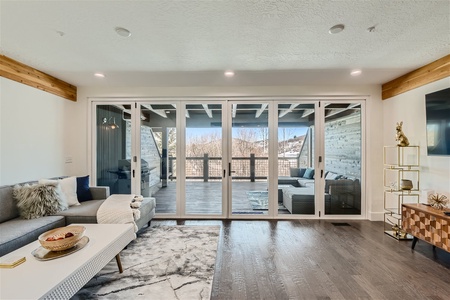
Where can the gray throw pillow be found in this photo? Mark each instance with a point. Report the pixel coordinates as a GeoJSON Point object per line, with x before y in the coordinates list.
{"type": "Point", "coordinates": [294, 172]}
{"type": "Point", "coordinates": [35, 201]}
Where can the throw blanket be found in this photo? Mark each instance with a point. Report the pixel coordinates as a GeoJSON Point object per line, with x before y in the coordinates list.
{"type": "Point", "coordinates": [117, 209]}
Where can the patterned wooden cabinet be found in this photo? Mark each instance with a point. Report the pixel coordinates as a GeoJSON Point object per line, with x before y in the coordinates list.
{"type": "Point", "coordinates": [428, 224]}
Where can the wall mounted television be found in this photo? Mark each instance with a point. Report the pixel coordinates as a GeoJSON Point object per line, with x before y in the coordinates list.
{"type": "Point", "coordinates": [437, 107]}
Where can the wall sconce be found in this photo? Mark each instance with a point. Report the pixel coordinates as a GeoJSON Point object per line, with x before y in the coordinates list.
{"type": "Point", "coordinates": [110, 124]}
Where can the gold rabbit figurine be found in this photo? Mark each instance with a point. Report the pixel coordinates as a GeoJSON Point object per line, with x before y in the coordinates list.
{"type": "Point", "coordinates": [401, 137]}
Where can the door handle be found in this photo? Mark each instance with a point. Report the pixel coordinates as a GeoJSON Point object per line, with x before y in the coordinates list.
{"type": "Point", "coordinates": [229, 170]}
{"type": "Point", "coordinates": [321, 173]}
{"type": "Point", "coordinates": [224, 173]}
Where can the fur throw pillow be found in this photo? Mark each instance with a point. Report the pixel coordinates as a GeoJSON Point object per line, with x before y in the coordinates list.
{"type": "Point", "coordinates": [39, 200]}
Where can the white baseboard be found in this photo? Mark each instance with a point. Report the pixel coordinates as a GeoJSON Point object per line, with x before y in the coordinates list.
{"type": "Point", "coordinates": [376, 216]}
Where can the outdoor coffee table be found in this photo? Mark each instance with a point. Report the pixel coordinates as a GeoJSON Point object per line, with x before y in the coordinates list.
{"type": "Point", "coordinates": [61, 278]}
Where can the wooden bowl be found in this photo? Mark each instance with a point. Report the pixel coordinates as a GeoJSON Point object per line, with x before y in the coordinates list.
{"type": "Point", "coordinates": [59, 239]}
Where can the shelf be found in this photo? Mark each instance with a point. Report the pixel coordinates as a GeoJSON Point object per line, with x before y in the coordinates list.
{"type": "Point", "coordinates": [393, 200]}
{"type": "Point", "coordinates": [407, 157]}
{"type": "Point", "coordinates": [393, 176]}
{"type": "Point", "coordinates": [400, 163]}
{"type": "Point", "coordinates": [395, 236]}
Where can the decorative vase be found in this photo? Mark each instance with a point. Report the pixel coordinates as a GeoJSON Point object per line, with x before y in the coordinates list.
{"type": "Point", "coordinates": [406, 185]}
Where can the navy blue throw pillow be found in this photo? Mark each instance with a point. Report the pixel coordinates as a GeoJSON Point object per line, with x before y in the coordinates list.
{"type": "Point", "coordinates": [302, 171]}
{"type": "Point", "coordinates": [83, 191]}
{"type": "Point", "coordinates": [309, 173]}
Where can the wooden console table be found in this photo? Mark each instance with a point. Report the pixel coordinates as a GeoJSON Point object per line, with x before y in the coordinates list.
{"type": "Point", "coordinates": [428, 224]}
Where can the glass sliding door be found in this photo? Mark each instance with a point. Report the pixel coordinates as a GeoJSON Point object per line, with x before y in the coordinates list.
{"type": "Point", "coordinates": [158, 143]}
{"type": "Point", "coordinates": [113, 143]}
{"type": "Point", "coordinates": [216, 157]}
{"type": "Point", "coordinates": [249, 158]}
{"type": "Point", "coordinates": [296, 173]}
{"type": "Point", "coordinates": [343, 158]}
{"type": "Point", "coordinates": [204, 159]}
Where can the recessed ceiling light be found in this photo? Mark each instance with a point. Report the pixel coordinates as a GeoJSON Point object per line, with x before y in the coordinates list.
{"type": "Point", "coordinates": [122, 31]}
{"type": "Point", "coordinates": [336, 28]}
{"type": "Point", "coordinates": [229, 73]}
{"type": "Point", "coordinates": [356, 72]}
{"type": "Point", "coordinates": [100, 75]}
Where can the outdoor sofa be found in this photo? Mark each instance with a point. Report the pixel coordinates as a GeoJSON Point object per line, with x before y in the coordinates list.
{"type": "Point", "coordinates": [297, 192]}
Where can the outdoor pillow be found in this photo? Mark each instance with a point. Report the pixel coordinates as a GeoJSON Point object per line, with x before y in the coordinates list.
{"type": "Point", "coordinates": [331, 175]}
{"type": "Point", "coordinates": [294, 172]}
{"type": "Point", "coordinates": [309, 173]}
{"type": "Point", "coordinates": [301, 172]}
{"type": "Point", "coordinates": [83, 191]}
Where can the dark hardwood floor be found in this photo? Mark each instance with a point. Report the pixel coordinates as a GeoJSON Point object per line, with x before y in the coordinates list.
{"type": "Point", "coordinates": [314, 259]}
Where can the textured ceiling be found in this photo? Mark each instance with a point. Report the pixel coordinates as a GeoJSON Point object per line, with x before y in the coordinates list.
{"type": "Point", "coordinates": [191, 43]}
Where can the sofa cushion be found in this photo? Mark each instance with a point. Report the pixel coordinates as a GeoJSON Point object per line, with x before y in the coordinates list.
{"type": "Point", "coordinates": [38, 200]}
{"type": "Point", "coordinates": [297, 172]}
{"type": "Point", "coordinates": [86, 212]}
{"type": "Point", "coordinates": [8, 206]}
{"type": "Point", "coordinates": [283, 180]}
{"type": "Point", "coordinates": [309, 173]}
{"type": "Point", "coordinates": [304, 182]}
{"type": "Point", "coordinates": [18, 232]}
{"type": "Point", "coordinates": [83, 191]}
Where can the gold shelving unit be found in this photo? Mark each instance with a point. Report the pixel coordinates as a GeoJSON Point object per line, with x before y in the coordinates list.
{"type": "Point", "coordinates": [399, 163]}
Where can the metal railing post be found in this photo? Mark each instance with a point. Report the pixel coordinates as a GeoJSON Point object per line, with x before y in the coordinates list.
{"type": "Point", "coordinates": [252, 167]}
{"type": "Point", "coordinates": [205, 167]}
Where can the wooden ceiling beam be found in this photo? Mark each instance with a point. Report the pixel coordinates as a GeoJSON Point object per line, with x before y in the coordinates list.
{"type": "Point", "coordinates": [432, 72]}
{"type": "Point", "coordinates": [14, 70]}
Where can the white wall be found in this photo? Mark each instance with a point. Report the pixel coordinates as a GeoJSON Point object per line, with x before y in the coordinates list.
{"type": "Point", "coordinates": [33, 133]}
{"type": "Point", "coordinates": [374, 147]}
{"type": "Point", "coordinates": [409, 107]}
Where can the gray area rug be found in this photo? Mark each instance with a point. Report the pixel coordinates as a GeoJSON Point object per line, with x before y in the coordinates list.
{"type": "Point", "coordinates": [164, 262]}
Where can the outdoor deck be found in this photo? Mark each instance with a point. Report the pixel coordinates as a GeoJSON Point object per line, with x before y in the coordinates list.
{"type": "Point", "coordinates": [206, 197]}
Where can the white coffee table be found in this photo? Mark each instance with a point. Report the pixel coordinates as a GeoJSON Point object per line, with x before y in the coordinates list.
{"type": "Point", "coordinates": [61, 278]}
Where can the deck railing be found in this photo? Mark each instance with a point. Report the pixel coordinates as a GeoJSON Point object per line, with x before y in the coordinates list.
{"type": "Point", "coordinates": [243, 168]}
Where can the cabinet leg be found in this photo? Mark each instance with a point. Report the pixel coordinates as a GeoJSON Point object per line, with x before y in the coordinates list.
{"type": "Point", "coordinates": [414, 242]}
